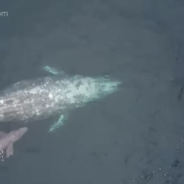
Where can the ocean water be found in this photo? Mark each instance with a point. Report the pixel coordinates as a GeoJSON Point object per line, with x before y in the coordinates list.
{"type": "Point", "coordinates": [134, 136]}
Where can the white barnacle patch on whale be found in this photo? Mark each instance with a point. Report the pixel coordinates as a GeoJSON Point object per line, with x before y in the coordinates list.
{"type": "Point", "coordinates": [50, 95]}
{"type": "Point", "coordinates": [35, 90]}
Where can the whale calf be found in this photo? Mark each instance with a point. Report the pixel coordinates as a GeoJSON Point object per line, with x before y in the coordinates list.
{"type": "Point", "coordinates": [56, 94]}
{"type": "Point", "coordinates": [7, 140]}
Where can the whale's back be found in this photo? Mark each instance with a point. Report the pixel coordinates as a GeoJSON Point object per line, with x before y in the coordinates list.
{"type": "Point", "coordinates": [46, 97]}
{"type": "Point", "coordinates": [28, 100]}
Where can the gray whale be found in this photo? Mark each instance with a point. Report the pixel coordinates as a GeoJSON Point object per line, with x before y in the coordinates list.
{"type": "Point", "coordinates": [53, 95]}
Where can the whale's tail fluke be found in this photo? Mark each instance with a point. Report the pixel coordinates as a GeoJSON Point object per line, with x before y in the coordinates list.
{"type": "Point", "coordinates": [7, 140]}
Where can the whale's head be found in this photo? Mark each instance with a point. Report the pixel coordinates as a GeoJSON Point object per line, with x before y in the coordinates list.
{"type": "Point", "coordinates": [85, 89]}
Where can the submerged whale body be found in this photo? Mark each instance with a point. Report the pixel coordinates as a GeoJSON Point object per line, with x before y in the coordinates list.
{"type": "Point", "coordinates": [45, 97]}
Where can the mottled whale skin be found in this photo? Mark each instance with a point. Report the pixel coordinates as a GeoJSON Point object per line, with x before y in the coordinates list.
{"type": "Point", "coordinates": [7, 140]}
{"type": "Point", "coordinates": [57, 94]}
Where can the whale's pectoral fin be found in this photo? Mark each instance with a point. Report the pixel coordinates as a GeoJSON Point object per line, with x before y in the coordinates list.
{"type": "Point", "coordinates": [58, 123]}
{"type": "Point", "coordinates": [9, 150]}
{"type": "Point", "coordinates": [53, 70]}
